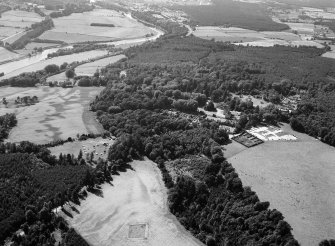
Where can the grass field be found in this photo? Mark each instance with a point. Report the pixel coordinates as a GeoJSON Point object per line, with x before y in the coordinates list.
{"type": "Point", "coordinates": [14, 22]}
{"type": "Point", "coordinates": [88, 69]}
{"type": "Point", "coordinates": [80, 29]}
{"type": "Point", "coordinates": [131, 211]}
{"type": "Point", "coordinates": [6, 55]}
{"type": "Point", "coordinates": [39, 65]}
{"type": "Point", "coordinates": [298, 178]}
{"type": "Point", "coordinates": [59, 114]}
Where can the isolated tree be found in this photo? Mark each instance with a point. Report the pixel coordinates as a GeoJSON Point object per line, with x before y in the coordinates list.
{"type": "Point", "coordinates": [80, 155]}
{"type": "Point", "coordinates": [4, 101]}
{"type": "Point", "coordinates": [30, 216]}
{"type": "Point", "coordinates": [63, 66]}
{"type": "Point", "coordinates": [52, 68]}
{"type": "Point", "coordinates": [210, 107]}
{"type": "Point", "coordinates": [70, 73]}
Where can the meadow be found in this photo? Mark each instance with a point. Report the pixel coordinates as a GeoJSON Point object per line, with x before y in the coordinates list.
{"type": "Point", "coordinates": [297, 178]}
{"type": "Point", "coordinates": [59, 114]}
{"type": "Point", "coordinates": [80, 29]}
{"type": "Point", "coordinates": [133, 208]}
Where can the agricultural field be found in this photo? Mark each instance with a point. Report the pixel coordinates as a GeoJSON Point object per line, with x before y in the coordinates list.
{"type": "Point", "coordinates": [131, 211]}
{"type": "Point", "coordinates": [59, 114]}
{"type": "Point", "coordinates": [80, 29]}
{"type": "Point", "coordinates": [26, 66]}
{"type": "Point", "coordinates": [14, 22]}
{"type": "Point", "coordinates": [6, 55]}
{"type": "Point", "coordinates": [241, 36]}
{"type": "Point", "coordinates": [297, 177]}
{"type": "Point", "coordinates": [88, 69]}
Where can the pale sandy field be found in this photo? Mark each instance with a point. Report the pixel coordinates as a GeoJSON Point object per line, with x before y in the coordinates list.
{"type": "Point", "coordinates": [330, 54]}
{"type": "Point", "coordinates": [81, 30]}
{"type": "Point", "coordinates": [88, 69]}
{"type": "Point", "coordinates": [135, 197]}
{"type": "Point", "coordinates": [298, 178]}
{"type": "Point", "coordinates": [59, 114]}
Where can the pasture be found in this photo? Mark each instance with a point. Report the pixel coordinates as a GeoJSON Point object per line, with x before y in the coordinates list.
{"type": "Point", "coordinates": [297, 178]}
{"type": "Point", "coordinates": [131, 211]}
{"type": "Point", "coordinates": [88, 69]}
{"type": "Point", "coordinates": [59, 114]}
{"type": "Point", "coordinates": [80, 29]}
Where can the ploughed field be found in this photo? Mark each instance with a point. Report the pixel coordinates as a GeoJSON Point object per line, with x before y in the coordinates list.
{"type": "Point", "coordinates": [59, 114]}
{"type": "Point", "coordinates": [77, 28]}
{"type": "Point", "coordinates": [131, 211]}
{"type": "Point", "coordinates": [297, 177]}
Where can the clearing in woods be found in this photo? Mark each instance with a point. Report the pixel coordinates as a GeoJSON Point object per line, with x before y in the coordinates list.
{"type": "Point", "coordinates": [131, 211]}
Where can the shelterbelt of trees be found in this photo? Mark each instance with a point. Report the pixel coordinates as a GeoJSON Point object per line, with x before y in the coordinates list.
{"type": "Point", "coordinates": [37, 29]}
